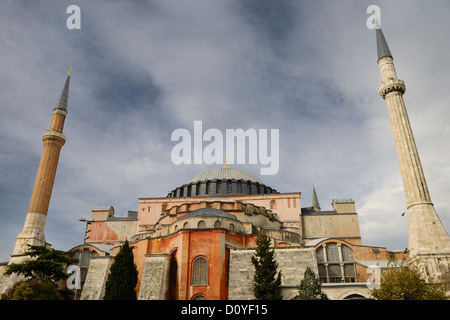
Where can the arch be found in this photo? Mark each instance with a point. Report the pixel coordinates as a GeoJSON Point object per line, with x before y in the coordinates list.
{"type": "Point", "coordinates": [231, 227]}
{"type": "Point", "coordinates": [201, 224]}
{"type": "Point", "coordinates": [217, 224]}
{"type": "Point", "coordinates": [273, 204]}
{"type": "Point", "coordinates": [200, 272]}
{"type": "Point", "coordinates": [199, 297]}
{"type": "Point", "coordinates": [335, 262]}
{"type": "Point", "coordinates": [186, 225]}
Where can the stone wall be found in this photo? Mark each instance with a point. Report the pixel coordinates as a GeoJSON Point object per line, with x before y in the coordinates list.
{"type": "Point", "coordinates": [94, 286]}
{"type": "Point", "coordinates": [155, 277]}
{"type": "Point", "coordinates": [292, 262]}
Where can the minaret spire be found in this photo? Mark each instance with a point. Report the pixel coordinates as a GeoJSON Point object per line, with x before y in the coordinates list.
{"type": "Point", "coordinates": [315, 200]}
{"type": "Point", "coordinates": [53, 139]}
{"type": "Point", "coordinates": [382, 46]}
{"type": "Point", "coordinates": [428, 238]}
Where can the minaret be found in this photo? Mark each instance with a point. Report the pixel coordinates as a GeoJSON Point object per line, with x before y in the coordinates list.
{"type": "Point", "coordinates": [315, 200]}
{"type": "Point", "coordinates": [428, 238]}
{"type": "Point", "coordinates": [53, 139]}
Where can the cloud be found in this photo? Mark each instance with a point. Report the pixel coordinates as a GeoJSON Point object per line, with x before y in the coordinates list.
{"type": "Point", "coordinates": [142, 69]}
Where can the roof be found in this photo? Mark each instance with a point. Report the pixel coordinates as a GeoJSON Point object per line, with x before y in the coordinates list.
{"type": "Point", "coordinates": [225, 173]}
{"type": "Point", "coordinates": [382, 46]}
{"type": "Point", "coordinates": [208, 212]}
{"type": "Point", "coordinates": [64, 97]}
{"type": "Point", "coordinates": [379, 263]}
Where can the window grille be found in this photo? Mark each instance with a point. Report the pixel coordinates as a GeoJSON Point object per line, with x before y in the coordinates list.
{"type": "Point", "coordinates": [200, 272]}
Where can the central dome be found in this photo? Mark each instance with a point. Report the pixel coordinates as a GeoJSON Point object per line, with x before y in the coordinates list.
{"type": "Point", "coordinates": [220, 182]}
{"type": "Point", "coordinates": [225, 174]}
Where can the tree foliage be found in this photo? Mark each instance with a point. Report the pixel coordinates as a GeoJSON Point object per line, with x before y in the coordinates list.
{"type": "Point", "coordinates": [36, 289]}
{"type": "Point", "coordinates": [266, 281]}
{"type": "Point", "coordinates": [404, 282]}
{"type": "Point", "coordinates": [123, 277]}
{"type": "Point", "coordinates": [46, 263]}
{"type": "Point", "coordinates": [310, 287]}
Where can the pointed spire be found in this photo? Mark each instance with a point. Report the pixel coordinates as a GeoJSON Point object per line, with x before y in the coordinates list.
{"type": "Point", "coordinates": [315, 200]}
{"type": "Point", "coordinates": [64, 97]}
{"type": "Point", "coordinates": [382, 46]}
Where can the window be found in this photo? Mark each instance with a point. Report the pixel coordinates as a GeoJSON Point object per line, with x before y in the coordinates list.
{"type": "Point", "coordinates": [200, 272]}
{"type": "Point", "coordinates": [332, 252]}
{"type": "Point", "coordinates": [201, 224]}
{"type": "Point", "coordinates": [219, 187]}
{"type": "Point", "coordinates": [231, 227]}
{"type": "Point", "coordinates": [199, 297]}
{"type": "Point", "coordinates": [273, 205]}
{"type": "Point", "coordinates": [186, 225]}
{"type": "Point", "coordinates": [229, 186]}
{"type": "Point", "coordinates": [335, 263]}
{"type": "Point", "coordinates": [217, 224]}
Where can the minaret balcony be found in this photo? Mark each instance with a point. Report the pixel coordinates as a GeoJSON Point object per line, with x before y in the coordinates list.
{"type": "Point", "coordinates": [391, 85]}
{"type": "Point", "coordinates": [50, 134]}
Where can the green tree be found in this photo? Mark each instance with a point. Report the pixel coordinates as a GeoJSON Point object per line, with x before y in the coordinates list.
{"type": "Point", "coordinates": [123, 277]}
{"type": "Point", "coordinates": [266, 282]}
{"type": "Point", "coordinates": [36, 289]}
{"type": "Point", "coordinates": [46, 263]}
{"type": "Point", "coordinates": [404, 282]}
{"type": "Point", "coordinates": [310, 287]}
{"type": "Point", "coordinates": [44, 270]}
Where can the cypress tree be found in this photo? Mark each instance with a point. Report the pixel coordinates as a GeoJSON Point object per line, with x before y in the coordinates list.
{"type": "Point", "coordinates": [123, 276]}
{"type": "Point", "coordinates": [266, 282]}
{"type": "Point", "coordinates": [310, 287]}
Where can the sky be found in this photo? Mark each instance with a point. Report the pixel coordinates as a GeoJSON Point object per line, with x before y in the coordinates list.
{"type": "Point", "coordinates": [142, 69]}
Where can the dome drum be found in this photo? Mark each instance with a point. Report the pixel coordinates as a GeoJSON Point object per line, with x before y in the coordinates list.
{"type": "Point", "coordinates": [220, 188]}
{"type": "Point", "coordinates": [221, 182]}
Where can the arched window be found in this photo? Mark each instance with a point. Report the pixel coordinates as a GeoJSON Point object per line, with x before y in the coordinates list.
{"type": "Point", "coordinates": [186, 225]}
{"type": "Point", "coordinates": [273, 204]}
{"type": "Point", "coordinates": [199, 297]}
{"type": "Point", "coordinates": [335, 263]}
{"type": "Point", "coordinates": [217, 224]}
{"type": "Point", "coordinates": [200, 272]}
{"type": "Point", "coordinates": [219, 187]}
{"type": "Point", "coordinates": [231, 227]}
{"type": "Point", "coordinates": [201, 224]}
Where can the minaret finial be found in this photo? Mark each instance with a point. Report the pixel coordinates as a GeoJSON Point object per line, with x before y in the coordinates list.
{"type": "Point", "coordinates": [70, 70]}
{"type": "Point", "coordinates": [225, 162]}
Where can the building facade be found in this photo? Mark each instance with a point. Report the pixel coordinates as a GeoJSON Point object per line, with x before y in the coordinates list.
{"type": "Point", "coordinates": [200, 247]}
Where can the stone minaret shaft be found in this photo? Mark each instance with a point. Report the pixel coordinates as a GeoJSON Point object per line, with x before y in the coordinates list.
{"type": "Point", "coordinates": [427, 234]}
{"type": "Point", "coordinates": [53, 139]}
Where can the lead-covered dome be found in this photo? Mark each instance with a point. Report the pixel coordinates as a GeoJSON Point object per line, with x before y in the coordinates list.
{"type": "Point", "coordinates": [221, 182]}
{"type": "Point", "coordinates": [225, 173]}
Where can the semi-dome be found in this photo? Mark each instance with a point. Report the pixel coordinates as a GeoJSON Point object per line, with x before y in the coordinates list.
{"type": "Point", "coordinates": [219, 182]}
{"type": "Point", "coordinates": [208, 212]}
